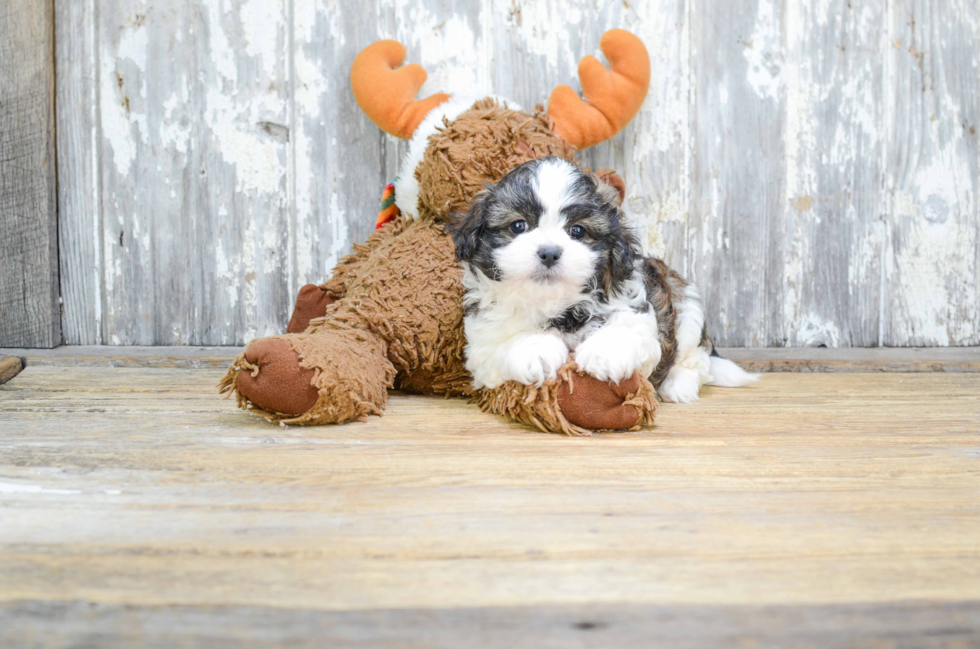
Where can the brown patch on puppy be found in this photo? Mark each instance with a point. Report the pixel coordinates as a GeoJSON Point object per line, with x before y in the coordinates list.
{"type": "Point", "coordinates": [706, 341]}
{"type": "Point", "coordinates": [662, 284]}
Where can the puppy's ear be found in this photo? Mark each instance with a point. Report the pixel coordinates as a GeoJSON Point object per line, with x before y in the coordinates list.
{"type": "Point", "coordinates": [467, 229]}
{"type": "Point", "coordinates": [610, 180]}
{"type": "Point", "coordinates": [623, 256]}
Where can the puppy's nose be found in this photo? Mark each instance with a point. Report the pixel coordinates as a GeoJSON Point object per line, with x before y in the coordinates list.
{"type": "Point", "coordinates": [549, 255]}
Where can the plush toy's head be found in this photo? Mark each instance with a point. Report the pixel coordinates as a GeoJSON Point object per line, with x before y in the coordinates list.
{"type": "Point", "coordinates": [459, 144]}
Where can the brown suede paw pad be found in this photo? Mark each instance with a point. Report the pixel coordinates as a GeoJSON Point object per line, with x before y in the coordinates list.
{"type": "Point", "coordinates": [590, 403]}
{"type": "Point", "coordinates": [275, 381]}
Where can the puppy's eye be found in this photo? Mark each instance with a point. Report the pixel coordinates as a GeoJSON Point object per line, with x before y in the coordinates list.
{"type": "Point", "coordinates": [518, 227]}
{"type": "Point", "coordinates": [576, 232]}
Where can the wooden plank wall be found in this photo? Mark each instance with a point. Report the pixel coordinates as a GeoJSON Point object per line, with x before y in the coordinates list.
{"type": "Point", "coordinates": [812, 166]}
{"type": "Point", "coordinates": [29, 310]}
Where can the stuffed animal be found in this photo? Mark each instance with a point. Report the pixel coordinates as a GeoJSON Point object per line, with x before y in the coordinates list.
{"type": "Point", "coordinates": [391, 315]}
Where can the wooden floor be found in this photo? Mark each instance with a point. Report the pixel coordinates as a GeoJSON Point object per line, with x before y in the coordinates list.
{"type": "Point", "coordinates": [137, 508]}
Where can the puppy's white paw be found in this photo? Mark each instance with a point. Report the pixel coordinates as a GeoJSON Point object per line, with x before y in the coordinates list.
{"type": "Point", "coordinates": [533, 359]}
{"type": "Point", "coordinates": [611, 354]}
{"type": "Point", "coordinates": [681, 386]}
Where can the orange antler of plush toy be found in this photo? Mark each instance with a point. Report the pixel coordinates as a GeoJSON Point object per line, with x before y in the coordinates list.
{"type": "Point", "coordinates": [386, 93]}
{"type": "Point", "coordinates": [613, 96]}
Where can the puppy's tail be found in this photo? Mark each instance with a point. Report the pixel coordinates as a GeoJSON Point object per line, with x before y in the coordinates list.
{"type": "Point", "coordinates": [727, 374]}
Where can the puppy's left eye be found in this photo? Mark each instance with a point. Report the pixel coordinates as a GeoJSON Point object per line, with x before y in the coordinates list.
{"type": "Point", "coordinates": [576, 232]}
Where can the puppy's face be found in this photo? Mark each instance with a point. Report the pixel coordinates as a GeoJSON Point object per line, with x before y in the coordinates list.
{"type": "Point", "coordinates": [548, 226]}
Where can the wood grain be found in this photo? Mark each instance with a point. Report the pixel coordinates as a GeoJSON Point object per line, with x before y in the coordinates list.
{"type": "Point", "coordinates": [826, 241]}
{"type": "Point", "coordinates": [110, 356]}
{"type": "Point", "coordinates": [803, 509]}
{"type": "Point", "coordinates": [922, 625]}
{"type": "Point", "coordinates": [860, 359]}
{"type": "Point", "coordinates": [29, 311]}
{"type": "Point", "coordinates": [194, 109]}
{"type": "Point", "coordinates": [932, 267]}
{"type": "Point", "coordinates": [80, 239]}
{"type": "Point", "coordinates": [738, 189]}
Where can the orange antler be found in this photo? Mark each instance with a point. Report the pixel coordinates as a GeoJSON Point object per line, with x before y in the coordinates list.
{"type": "Point", "coordinates": [613, 96]}
{"type": "Point", "coordinates": [386, 93]}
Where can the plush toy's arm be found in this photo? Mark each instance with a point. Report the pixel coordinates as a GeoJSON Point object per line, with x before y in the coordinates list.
{"type": "Point", "coordinates": [574, 403]}
{"type": "Point", "coordinates": [313, 379]}
{"type": "Point", "coordinates": [312, 300]}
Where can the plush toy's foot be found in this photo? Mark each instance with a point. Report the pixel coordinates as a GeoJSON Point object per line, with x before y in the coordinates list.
{"type": "Point", "coordinates": [311, 302]}
{"type": "Point", "coordinates": [574, 403]}
{"type": "Point", "coordinates": [590, 403]}
{"type": "Point", "coordinates": [273, 379]}
{"type": "Point", "coordinates": [328, 377]}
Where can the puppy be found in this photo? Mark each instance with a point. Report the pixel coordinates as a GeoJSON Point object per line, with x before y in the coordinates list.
{"type": "Point", "coordinates": [550, 268]}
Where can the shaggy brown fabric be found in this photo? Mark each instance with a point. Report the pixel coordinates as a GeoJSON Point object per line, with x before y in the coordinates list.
{"type": "Point", "coordinates": [400, 316]}
{"type": "Point", "coordinates": [355, 407]}
{"type": "Point", "coordinates": [311, 302]}
{"type": "Point", "coordinates": [346, 372]}
{"type": "Point", "coordinates": [542, 407]}
{"type": "Point", "coordinates": [408, 291]}
{"type": "Point", "coordinates": [481, 146]}
{"type": "Point", "coordinates": [351, 375]}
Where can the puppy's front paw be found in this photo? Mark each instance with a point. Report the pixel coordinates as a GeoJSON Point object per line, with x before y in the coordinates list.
{"type": "Point", "coordinates": [610, 355]}
{"type": "Point", "coordinates": [680, 386]}
{"type": "Point", "coordinates": [534, 359]}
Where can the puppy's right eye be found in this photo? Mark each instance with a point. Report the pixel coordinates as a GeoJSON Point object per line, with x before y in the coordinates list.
{"type": "Point", "coordinates": [517, 227]}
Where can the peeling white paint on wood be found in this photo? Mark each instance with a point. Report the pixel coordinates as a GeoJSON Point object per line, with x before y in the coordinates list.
{"type": "Point", "coordinates": [932, 260]}
{"type": "Point", "coordinates": [812, 166]}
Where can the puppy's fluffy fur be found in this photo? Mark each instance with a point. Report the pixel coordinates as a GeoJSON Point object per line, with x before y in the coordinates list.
{"type": "Point", "coordinates": [550, 268]}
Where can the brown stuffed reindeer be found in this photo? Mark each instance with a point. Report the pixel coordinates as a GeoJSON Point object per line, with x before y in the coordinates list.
{"type": "Point", "coordinates": [391, 315]}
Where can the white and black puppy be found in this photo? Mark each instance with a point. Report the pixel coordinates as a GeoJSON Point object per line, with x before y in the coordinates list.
{"type": "Point", "coordinates": [550, 268]}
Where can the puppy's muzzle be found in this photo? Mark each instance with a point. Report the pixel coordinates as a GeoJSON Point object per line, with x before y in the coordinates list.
{"type": "Point", "coordinates": [549, 255]}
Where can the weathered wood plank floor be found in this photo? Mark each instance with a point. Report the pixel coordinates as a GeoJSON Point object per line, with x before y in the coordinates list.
{"type": "Point", "coordinates": [139, 509]}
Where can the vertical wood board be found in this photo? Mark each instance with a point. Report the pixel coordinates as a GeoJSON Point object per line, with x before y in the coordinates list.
{"type": "Point", "coordinates": [931, 275]}
{"type": "Point", "coordinates": [738, 190]}
{"type": "Point", "coordinates": [79, 198]}
{"type": "Point", "coordinates": [826, 237]}
{"type": "Point", "coordinates": [29, 310]}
